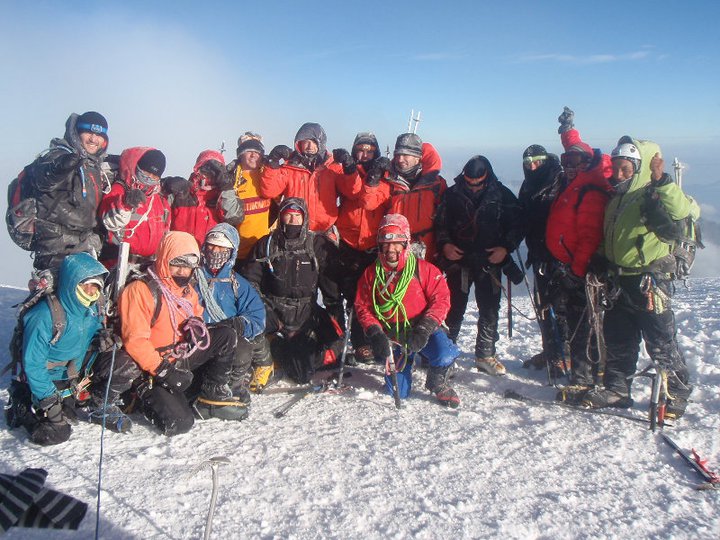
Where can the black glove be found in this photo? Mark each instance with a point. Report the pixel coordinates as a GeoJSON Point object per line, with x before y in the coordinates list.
{"type": "Point", "coordinates": [513, 272]}
{"type": "Point", "coordinates": [280, 152]}
{"type": "Point", "coordinates": [134, 198]}
{"type": "Point", "coordinates": [219, 174]}
{"type": "Point", "coordinates": [66, 163]}
{"type": "Point", "coordinates": [175, 185]}
{"type": "Point", "coordinates": [343, 157]}
{"type": "Point", "coordinates": [420, 334]}
{"type": "Point", "coordinates": [174, 377]}
{"type": "Point", "coordinates": [105, 340]}
{"type": "Point", "coordinates": [376, 171]}
{"type": "Point", "coordinates": [566, 120]}
{"type": "Point", "coordinates": [379, 342]}
{"type": "Point", "coordinates": [598, 265]}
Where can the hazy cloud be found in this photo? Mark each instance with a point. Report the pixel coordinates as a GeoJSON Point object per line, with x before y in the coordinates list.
{"type": "Point", "coordinates": [585, 60]}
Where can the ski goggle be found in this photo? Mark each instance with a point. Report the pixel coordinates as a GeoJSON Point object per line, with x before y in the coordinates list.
{"type": "Point", "coordinates": [189, 260]}
{"type": "Point", "coordinates": [94, 128]}
{"type": "Point", "coordinates": [528, 160]}
{"type": "Point", "coordinates": [392, 237]}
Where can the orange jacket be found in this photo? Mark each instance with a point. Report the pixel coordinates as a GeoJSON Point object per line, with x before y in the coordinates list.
{"type": "Point", "coordinates": [319, 188]}
{"type": "Point", "coordinates": [137, 306]}
{"type": "Point", "coordinates": [359, 214]}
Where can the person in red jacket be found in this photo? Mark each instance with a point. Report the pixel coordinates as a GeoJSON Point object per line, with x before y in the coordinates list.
{"type": "Point", "coordinates": [135, 211]}
{"type": "Point", "coordinates": [406, 299]}
{"type": "Point", "coordinates": [573, 234]}
{"type": "Point", "coordinates": [308, 172]}
{"type": "Point", "coordinates": [410, 185]}
{"type": "Point", "coordinates": [207, 199]}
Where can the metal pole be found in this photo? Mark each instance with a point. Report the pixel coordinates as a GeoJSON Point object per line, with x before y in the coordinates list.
{"type": "Point", "coordinates": [678, 167]}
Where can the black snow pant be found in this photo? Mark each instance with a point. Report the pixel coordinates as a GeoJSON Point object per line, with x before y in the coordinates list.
{"type": "Point", "coordinates": [487, 297]}
{"type": "Point", "coordinates": [169, 410]}
{"type": "Point", "coordinates": [353, 263]}
{"type": "Point", "coordinates": [550, 345]}
{"type": "Point", "coordinates": [569, 303]}
{"type": "Point", "coordinates": [627, 323]}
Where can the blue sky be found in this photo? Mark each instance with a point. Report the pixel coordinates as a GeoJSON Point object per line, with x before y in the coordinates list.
{"type": "Point", "coordinates": [489, 78]}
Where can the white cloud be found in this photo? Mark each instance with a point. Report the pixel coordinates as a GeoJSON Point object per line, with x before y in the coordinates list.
{"type": "Point", "coordinates": [586, 59]}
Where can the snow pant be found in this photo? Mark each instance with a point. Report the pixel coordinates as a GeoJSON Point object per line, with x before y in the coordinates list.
{"type": "Point", "coordinates": [550, 345]}
{"type": "Point", "coordinates": [54, 242]}
{"type": "Point", "coordinates": [440, 353]}
{"type": "Point", "coordinates": [124, 371]}
{"type": "Point", "coordinates": [569, 304]}
{"type": "Point", "coordinates": [301, 353]}
{"type": "Point", "coordinates": [353, 263]}
{"type": "Point", "coordinates": [487, 297]}
{"type": "Point", "coordinates": [169, 410]}
{"type": "Point", "coordinates": [629, 321]}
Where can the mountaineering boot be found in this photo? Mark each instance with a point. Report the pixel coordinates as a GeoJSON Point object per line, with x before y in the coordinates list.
{"type": "Point", "coordinates": [677, 399]}
{"type": "Point", "coordinates": [572, 394]}
{"type": "Point", "coordinates": [217, 401]}
{"type": "Point", "coordinates": [599, 398]}
{"type": "Point", "coordinates": [260, 378]}
{"type": "Point", "coordinates": [490, 365]}
{"type": "Point", "coordinates": [537, 361]}
{"type": "Point", "coordinates": [437, 383]}
{"type": "Point", "coordinates": [115, 419]}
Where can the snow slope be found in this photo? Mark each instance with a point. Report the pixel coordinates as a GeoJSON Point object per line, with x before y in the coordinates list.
{"type": "Point", "coordinates": [353, 467]}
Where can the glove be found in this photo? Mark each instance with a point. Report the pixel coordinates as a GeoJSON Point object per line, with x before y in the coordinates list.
{"type": "Point", "coordinates": [513, 272]}
{"type": "Point", "coordinates": [105, 340]}
{"type": "Point", "coordinates": [420, 334]}
{"type": "Point", "coordinates": [66, 163]}
{"type": "Point", "coordinates": [219, 174]}
{"type": "Point", "coordinates": [173, 377]}
{"type": "Point", "coordinates": [175, 185]}
{"type": "Point", "coordinates": [566, 120]}
{"type": "Point", "coordinates": [134, 198]}
{"type": "Point", "coordinates": [280, 152]}
{"type": "Point", "coordinates": [343, 157]}
{"type": "Point", "coordinates": [376, 171]}
{"type": "Point", "coordinates": [379, 342]}
{"type": "Point", "coordinates": [598, 265]}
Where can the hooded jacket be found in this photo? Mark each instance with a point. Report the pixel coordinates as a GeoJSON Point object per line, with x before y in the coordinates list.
{"type": "Point", "coordinates": [575, 222]}
{"type": "Point", "coordinates": [141, 227]}
{"type": "Point", "coordinates": [537, 193]}
{"type": "Point", "coordinates": [417, 201]}
{"type": "Point", "coordinates": [67, 204]}
{"type": "Point", "coordinates": [318, 184]}
{"type": "Point", "coordinates": [202, 209]}
{"type": "Point", "coordinates": [231, 292]}
{"type": "Point", "coordinates": [475, 222]}
{"type": "Point", "coordinates": [44, 363]}
{"type": "Point", "coordinates": [627, 242]}
{"type": "Point", "coordinates": [287, 274]}
{"type": "Point", "coordinates": [137, 305]}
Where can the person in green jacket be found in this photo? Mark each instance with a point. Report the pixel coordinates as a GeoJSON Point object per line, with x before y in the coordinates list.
{"type": "Point", "coordinates": [643, 267]}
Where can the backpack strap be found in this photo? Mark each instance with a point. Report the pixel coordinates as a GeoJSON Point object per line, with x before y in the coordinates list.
{"type": "Point", "coordinates": [59, 319]}
{"type": "Point", "coordinates": [157, 297]}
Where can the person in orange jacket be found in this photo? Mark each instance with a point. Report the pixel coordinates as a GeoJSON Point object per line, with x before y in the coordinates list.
{"type": "Point", "coordinates": [179, 356]}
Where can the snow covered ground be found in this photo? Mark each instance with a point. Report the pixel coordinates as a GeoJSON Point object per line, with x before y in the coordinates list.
{"type": "Point", "coordinates": [353, 467]}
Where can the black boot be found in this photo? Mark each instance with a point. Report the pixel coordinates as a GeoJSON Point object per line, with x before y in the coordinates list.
{"type": "Point", "coordinates": [437, 383]}
{"type": "Point", "coordinates": [217, 401]}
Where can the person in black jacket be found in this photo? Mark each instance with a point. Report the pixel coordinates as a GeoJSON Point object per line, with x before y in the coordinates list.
{"type": "Point", "coordinates": [543, 182]}
{"type": "Point", "coordinates": [68, 184]}
{"type": "Point", "coordinates": [478, 225]}
{"type": "Point", "coordinates": [285, 267]}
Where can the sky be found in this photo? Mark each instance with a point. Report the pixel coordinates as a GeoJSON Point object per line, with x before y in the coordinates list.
{"type": "Point", "coordinates": [489, 78]}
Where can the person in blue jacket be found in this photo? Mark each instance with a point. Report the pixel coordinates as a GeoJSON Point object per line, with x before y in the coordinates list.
{"type": "Point", "coordinates": [55, 369]}
{"type": "Point", "coordinates": [227, 296]}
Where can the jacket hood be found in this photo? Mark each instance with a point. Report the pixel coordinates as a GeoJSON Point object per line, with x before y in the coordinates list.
{"type": "Point", "coordinates": [207, 155]}
{"type": "Point", "coordinates": [489, 179]}
{"type": "Point", "coordinates": [173, 244]}
{"type": "Point", "coordinates": [128, 163]}
{"type": "Point", "coordinates": [72, 140]}
{"type": "Point", "coordinates": [74, 269]}
{"type": "Point", "coordinates": [300, 203]}
{"type": "Point", "coordinates": [430, 160]}
{"type": "Point", "coordinates": [647, 150]}
{"type": "Point", "coordinates": [313, 132]}
{"type": "Point", "coordinates": [232, 234]}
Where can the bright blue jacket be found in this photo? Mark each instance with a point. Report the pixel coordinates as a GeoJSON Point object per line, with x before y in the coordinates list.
{"type": "Point", "coordinates": [44, 363]}
{"type": "Point", "coordinates": [232, 292]}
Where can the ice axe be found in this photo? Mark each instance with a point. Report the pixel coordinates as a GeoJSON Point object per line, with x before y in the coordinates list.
{"type": "Point", "coordinates": [214, 464]}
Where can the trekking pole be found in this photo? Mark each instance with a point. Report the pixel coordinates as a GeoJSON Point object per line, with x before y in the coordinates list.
{"type": "Point", "coordinates": [348, 326]}
{"type": "Point", "coordinates": [509, 308]}
{"type": "Point", "coordinates": [102, 442]}
{"type": "Point", "coordinates": [392, 371]}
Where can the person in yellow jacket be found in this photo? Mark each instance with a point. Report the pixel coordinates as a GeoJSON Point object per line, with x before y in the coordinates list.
{"type": "Point", "coordinates": [246, 171]}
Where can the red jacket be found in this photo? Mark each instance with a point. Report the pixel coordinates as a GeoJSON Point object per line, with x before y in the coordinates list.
{"type": "Point", "coordinates": [319, 188]}
{"type": "Point", "coordinates": [358, 218]}
{"type": "Point", "coordinates": [142, 227]}
{"type": "Point", "coordinates": [427, 295]}
{"type": "Point", "coordinates": [206, 208]}
{"type": "Point", "coordinates": [575, 223]}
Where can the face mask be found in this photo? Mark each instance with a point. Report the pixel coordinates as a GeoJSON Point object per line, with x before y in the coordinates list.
{"type": "Point", "coordinates": [86, 299]}
{"type": "Point", "coordinates": [181, 281]}
{"type": "Point", "coordinates": [292, 231]}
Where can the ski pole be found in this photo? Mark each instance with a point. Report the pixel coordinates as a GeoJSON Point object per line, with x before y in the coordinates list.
{"type": "Point", "coordinates": [348, 326]}
{"type": "Point", "coordinates": [509, 308]}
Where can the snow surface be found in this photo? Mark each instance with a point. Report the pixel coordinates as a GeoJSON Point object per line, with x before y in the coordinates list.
{"type": "Point", "coordinates": [353, 467]}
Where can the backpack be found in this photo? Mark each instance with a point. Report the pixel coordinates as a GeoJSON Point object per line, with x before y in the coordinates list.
{"type": "Point", "coordinates": [21, 212]}
{"type": "Point", "coordinates": [684, 235]}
